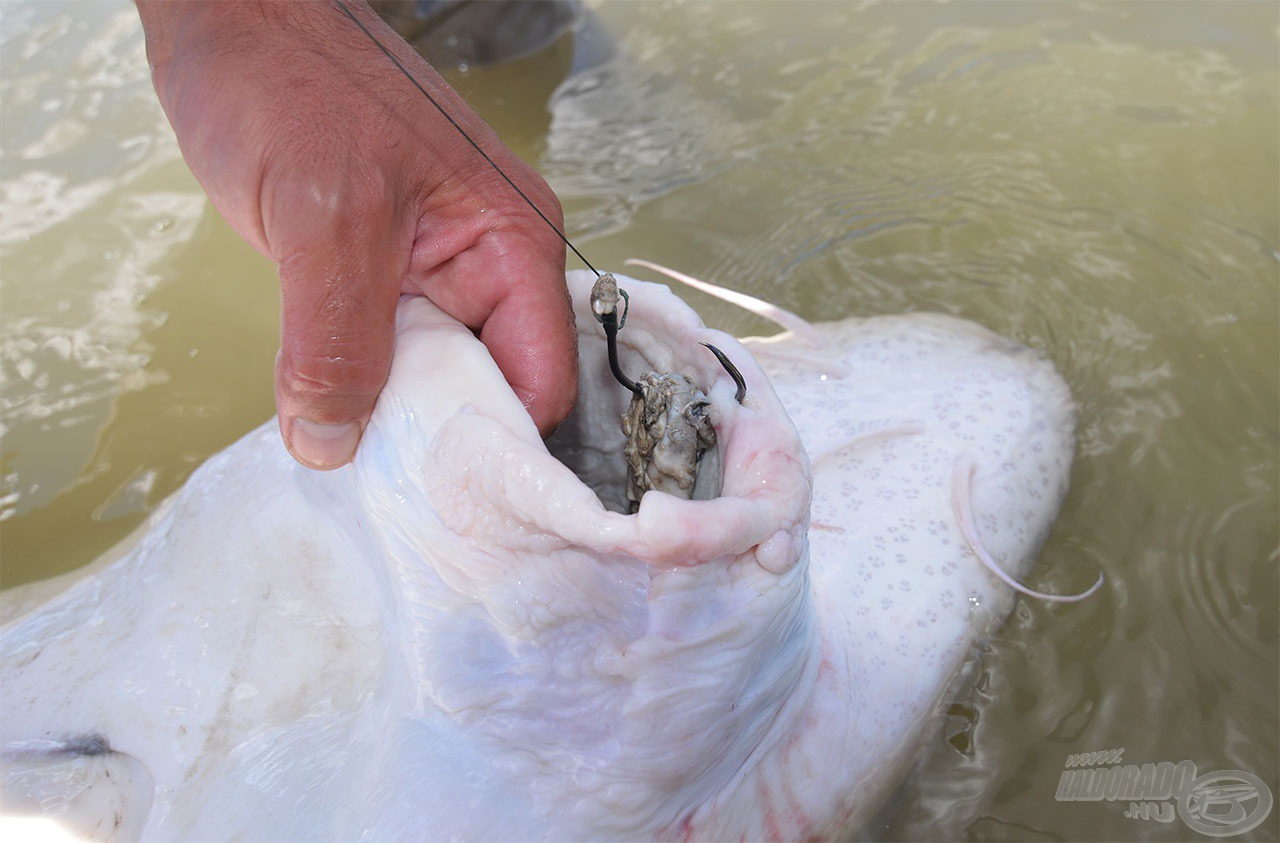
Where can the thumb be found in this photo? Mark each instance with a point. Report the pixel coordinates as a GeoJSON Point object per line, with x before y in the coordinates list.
{"type": "Point", "coordinates": [337, 333]}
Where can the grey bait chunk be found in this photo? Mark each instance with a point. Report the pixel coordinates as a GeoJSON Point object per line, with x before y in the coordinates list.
{"type": "Point", "coordinates": [671, 444]}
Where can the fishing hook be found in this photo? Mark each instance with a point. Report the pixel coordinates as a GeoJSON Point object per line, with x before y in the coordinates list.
{"type": "Point", "coordinates": [738, 380]}
{"type": "Point", "coordinates": [604, 304]}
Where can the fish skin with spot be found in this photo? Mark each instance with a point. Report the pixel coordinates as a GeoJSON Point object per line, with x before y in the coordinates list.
{"type": "Point", "coordinates": [461, 635]}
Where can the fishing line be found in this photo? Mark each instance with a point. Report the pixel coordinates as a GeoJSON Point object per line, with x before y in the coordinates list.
{"type": "Point", "coordinates": [608, 320]}
{"type": "Point", "coordinates": [343, 6]}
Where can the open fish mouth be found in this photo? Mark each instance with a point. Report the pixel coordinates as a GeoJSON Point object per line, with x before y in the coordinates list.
{"type": "Point", "coordinates": [662, 335]}
{"type": "Point", "coordinates": [670, 440]}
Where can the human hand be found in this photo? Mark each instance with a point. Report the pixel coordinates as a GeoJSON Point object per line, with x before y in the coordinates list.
{"type": "Point", "coordinates": [328, 161]}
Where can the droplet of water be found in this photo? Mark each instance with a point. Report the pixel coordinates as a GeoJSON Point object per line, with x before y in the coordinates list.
{"type": "Point", "coordinates": [975, 602]}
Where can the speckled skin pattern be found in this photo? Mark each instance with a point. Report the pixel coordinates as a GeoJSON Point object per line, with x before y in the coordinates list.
{"type": "Point", "coordinates": [461, 636]}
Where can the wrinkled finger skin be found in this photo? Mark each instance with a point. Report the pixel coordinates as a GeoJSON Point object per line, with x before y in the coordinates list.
{"type": "Point", "coordinates": [324, 157]}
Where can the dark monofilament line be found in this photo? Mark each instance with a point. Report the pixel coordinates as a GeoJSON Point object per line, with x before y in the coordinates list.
{"type": "Point", "coordinates": [343, 6]}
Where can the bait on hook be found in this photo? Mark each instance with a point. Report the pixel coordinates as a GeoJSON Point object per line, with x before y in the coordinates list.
{"type": "Point", "coordinates": [604, 304]}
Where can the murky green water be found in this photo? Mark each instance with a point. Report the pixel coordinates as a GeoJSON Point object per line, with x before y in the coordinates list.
{"type": "Point", "coordinates": [1097, 180]}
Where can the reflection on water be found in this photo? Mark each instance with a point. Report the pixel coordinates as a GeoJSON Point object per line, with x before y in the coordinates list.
{"type": "Point", "coordinates": [1096, 181]}
{"type": "Point", "coordinates": [115, 382]}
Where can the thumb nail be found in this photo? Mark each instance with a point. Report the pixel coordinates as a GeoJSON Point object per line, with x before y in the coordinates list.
{"type": "Point", "coordinates": [323, 446]}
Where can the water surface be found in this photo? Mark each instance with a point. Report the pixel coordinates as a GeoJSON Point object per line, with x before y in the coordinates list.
{"type": "Point", "coordinates": [1099, 181]}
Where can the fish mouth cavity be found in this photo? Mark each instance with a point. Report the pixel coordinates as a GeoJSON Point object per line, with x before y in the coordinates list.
{"type": "Point", "coordinates": [591, 441]}
{"type": "Point", "coordinates": [765, 484]}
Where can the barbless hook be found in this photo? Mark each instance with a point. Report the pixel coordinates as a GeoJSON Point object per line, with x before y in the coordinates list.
{"type": "Point", "coordinates": [731, 369]}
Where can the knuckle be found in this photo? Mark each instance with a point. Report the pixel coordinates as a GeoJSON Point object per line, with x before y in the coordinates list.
{"type": "Point", "coordinates": [331, 376]}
